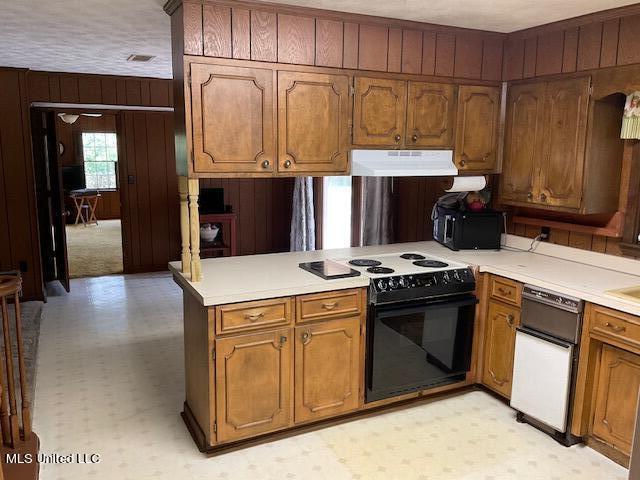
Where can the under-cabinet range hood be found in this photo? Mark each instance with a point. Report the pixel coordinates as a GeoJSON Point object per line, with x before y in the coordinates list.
{"type": "Point", "coordinates": [402, 163]}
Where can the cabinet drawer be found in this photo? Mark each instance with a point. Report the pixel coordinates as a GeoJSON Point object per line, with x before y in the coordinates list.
{"type": "Point", "coordinates": [506, 290]}
{"type": "Point", "coordinates": [326, 305]}
{"type": "Point", "coordinates": [616, 325]}
{"type": "Point", "coordinates": [238, 317]}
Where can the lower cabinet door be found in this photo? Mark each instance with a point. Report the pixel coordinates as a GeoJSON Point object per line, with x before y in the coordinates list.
{"type": "Point", "coordinates": [500, 337]}
{"type": "Point", "coordinates": [616, 398]}
{"type": "Point", "coordinates": [327, 368]}
{"type": "Point", "coordinates": [254, 384]}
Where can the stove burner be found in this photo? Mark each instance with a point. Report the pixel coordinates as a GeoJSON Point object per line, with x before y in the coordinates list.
{"type": "Point", "coordinates": [430, 263]}
{"type": "Point", "coordinates": [412, 256]}
{"type": "Point", "coordinates": [364, 262]}
{"type": "Point", "coordinates": [377, 269]}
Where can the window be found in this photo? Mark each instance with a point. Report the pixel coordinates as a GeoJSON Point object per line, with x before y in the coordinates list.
{"type": "Point", "coordinates": [100, 153]}
{"type": "Point", "coordinates": [336, 212]}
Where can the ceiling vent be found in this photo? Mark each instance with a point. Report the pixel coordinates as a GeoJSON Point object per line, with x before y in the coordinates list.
{"type": "Point", "coordinates": [140, 58]}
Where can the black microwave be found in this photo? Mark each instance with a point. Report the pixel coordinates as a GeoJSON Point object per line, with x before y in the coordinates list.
{"type": "Point", "coordinates": [466, 230]}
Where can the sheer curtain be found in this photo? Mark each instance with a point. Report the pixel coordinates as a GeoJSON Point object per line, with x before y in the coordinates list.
{"type": "Point", "coordinates": [303, 225]}
{"type": "Point", "coordinates": [376, 213]}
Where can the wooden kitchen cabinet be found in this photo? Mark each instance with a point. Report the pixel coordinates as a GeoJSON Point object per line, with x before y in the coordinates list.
{"type": "Point", "coordinates": [233, 119]}
{"type": "Point", "coordinates": [499, 345]}
{"type": "Point", "coordinates": [379, 111]}
{"type": "Point", "coordinates": [430, 115]}
{"type": "Point", "coordinates": [524, 139]}
{"type": "Point", "coordinates": [616, 393]}
{"type": "Point", "coordinates": [254, 384]}
{"type": "Point", "coordinates": [313, 123]}
{"type": "Point", "coordinates": [561, 163]}
{"type": "Point", "coordinates": [562, 148]}
{"type": "Point", "coordinates": [327, 368]}
{"type": "Point", "coordinates": [477, 119]}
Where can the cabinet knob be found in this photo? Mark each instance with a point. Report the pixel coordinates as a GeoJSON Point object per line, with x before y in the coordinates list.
{"type": "Point", "coordinates": [462, 163]}
{"type": "Point", "coordinates": [397, 138]}
{"type": "Point", "coordinates": [283, 339]}
{"type": "Point", "coordinates": [265, 164]}
{"type": "Point", "coordinates": [510, 319]}
{"type": "Point", "coordinates": [305, 337]}
{"type": "Point", "coordinates": [287, 163]}
{"type": "Point", "coordinates": [530, 195]}
{"type": "Point", "coordinates": [543, 197]}
{"type": "Point", "coordinates": [414, 138]}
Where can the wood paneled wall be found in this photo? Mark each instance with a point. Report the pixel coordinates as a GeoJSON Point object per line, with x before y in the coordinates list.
{"type": "Point", "coordinates": [149, 186]}
{"type": "Point", "coordinates": [99, 89]}
{"type": "Point", "coordinates": [19, 244]}
{"type": "Point", "coordinates": [263, 207]}
{"type": "Point", "coordinates": [604, 39]}
{"type": "Point", "coordinates": [248, 31]}
{"type": "Point", "coordinates": [414, 198]}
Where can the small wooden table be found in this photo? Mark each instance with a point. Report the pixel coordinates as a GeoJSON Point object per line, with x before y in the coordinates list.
{"type": "Point", "coordinates": [85, 200]}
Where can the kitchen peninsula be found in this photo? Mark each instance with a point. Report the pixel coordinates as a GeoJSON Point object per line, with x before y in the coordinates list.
{"type": "Point", "coordinates": [271, 348]}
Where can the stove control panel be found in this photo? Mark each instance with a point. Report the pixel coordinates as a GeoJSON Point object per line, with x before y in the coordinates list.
{"type": "Point", "coordinates": [432, 280]}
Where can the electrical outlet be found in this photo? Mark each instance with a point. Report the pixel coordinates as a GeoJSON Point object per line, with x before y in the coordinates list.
{"type": "Point", "coordinates": [544, 233]}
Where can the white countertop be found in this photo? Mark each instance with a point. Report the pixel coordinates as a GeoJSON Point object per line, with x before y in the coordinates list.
{"type": "Point", "coordinates": [582, 274]}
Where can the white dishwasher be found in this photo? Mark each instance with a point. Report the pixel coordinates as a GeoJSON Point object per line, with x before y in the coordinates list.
{"type": "Point", "coordinates": [545, 361]}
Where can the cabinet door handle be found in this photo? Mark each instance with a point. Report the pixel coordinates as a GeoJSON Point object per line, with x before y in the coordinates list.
{"type": "Point", "coordinates": [543, 197]}
{"type": "Point", "coordinates": [414, 138]}
{"type": "Point", "coordinates": [530, 195]}
{"type": "Point", "coordinates": [505, 292]}
{"type": "Point", "coordinates": [265, 164]}
{"type": "Point", "coordinates": [283, 339]}
{"type": "Point", "coordinates": [615, 328]}
{"type": "Point", "coordinates": [495, 379]}
{"type": "Point", "coordinates": [252, 317]}
{"type": "Point", "coordinates": [397, 138]}
{"type": "Point", "coordinates": [306, 337]}
{"type": "Point", "coordinates": [287, 163]}
{"type": "Point", "coordinates": [329, 306]}
{"type": "Point", "coordinates": [462, 163]}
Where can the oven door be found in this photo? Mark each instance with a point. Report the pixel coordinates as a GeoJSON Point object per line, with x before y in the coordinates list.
{"type": "Point", "coordinates": [413, 346]}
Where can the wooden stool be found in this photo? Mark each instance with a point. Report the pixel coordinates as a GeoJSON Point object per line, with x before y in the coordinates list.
{"type": "Point", "coordinates": [11, 285]}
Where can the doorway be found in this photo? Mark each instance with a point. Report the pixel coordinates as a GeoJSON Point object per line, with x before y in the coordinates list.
{"type": "Point", "coordinates": [77, 161]}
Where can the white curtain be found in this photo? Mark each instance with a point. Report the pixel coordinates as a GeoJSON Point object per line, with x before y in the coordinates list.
{"type": "Point", "coordinates": [303, 224]}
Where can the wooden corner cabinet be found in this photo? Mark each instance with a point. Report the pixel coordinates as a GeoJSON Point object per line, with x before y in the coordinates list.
{"type": "Point", "coordinates": [501, 320]}
{"type": "Point", "coordinates": [478, 118]}
{"type": "Point", "coordinates": [562, 148]}
{"type": "Point", "coordinates": [262, 366]}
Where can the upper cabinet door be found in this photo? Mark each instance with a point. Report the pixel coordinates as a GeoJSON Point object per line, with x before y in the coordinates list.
{"type": "Point", "coordinates": [379, 112]}
{"type": "Point", "coordinates": [477, 128]}
{"type": "Point", "coordinates": [430, 115]}
{"type": "Point", "coordinates": [313, 123]}
{"type": "Point", "coordinates": [524, 124]}
{"type": "Point", "coordinates": [562, 163]}
{"type": "Point", "coordinates": [233, 119]}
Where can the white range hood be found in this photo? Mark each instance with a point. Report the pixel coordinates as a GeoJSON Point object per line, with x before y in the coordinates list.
{"type": "Point", "coordinates": [402, 163]}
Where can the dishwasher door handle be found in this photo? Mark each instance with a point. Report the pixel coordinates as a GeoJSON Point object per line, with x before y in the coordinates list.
{"type": "Point", "coordinates": [545, 337]}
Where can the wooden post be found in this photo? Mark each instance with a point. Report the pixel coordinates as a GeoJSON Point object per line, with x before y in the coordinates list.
{"type": "Point", "coordinates": [24, 394]}
{"type": "Point", "coordinates": [194, 223]}
{"type": "Point", "coordinates": [183, 189]}
{"type": "Point", "coordinates": [8, 356]}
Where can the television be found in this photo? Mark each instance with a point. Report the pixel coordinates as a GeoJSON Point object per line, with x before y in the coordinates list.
{"type": "Point", "coordinates": [73, 178]}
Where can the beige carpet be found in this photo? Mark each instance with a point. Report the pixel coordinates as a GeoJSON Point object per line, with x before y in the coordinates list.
{"type": "Point", "coordinates": [94, 250]}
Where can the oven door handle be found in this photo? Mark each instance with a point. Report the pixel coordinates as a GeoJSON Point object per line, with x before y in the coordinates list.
{"type": "Point", "coordinates": [394, 310]}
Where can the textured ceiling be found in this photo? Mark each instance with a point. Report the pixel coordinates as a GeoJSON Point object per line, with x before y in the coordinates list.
{"type": "Point", "coordinates": [494, 15]}
{"type": "Point", "coordinates": [88, 36]}
{"type": "Point", "coordinates": [97, 36]}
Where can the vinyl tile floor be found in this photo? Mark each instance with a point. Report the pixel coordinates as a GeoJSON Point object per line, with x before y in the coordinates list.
{"type": "Point", "coordinates": [111, 382]}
